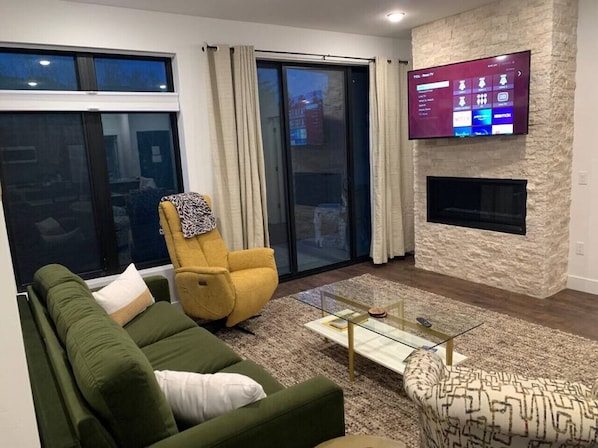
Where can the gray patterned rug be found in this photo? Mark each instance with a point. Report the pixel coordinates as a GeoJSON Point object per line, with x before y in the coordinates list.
{"type": "Point", "coordinates": [375, 403]}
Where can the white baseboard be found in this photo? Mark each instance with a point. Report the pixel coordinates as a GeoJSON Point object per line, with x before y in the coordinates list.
{"type": "Point", "coordinates": [582, 284]}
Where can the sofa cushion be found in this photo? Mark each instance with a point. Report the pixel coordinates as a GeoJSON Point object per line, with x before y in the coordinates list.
{"type": "Point", "coordinates": [158, 322]}
{"type": "Point", "coordinates": [51, 275]}
{"type": "Point", "coordinates": [197, 397]}
{"type": "Point", "coordinates": [193, 350]}
{"type": "Point", "coordinates": [70, 302]}
{"type": "Point", "coordinates": [125, 297]}
{"type": "Point", "coordinates": [118, 382]}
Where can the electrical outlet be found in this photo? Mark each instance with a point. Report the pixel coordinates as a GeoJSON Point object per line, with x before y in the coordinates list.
{"type": "Point", "coordinates": [579, 248]}
{"type": "Point", "coordinates": [583, 178]}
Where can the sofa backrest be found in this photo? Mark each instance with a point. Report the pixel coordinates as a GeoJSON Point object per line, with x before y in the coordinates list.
{"type": "Point", "coordinates": [111, 372]}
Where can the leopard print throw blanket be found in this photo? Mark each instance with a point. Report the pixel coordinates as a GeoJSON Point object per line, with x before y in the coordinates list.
{"type": "Point", "coordinates": [194, 212]}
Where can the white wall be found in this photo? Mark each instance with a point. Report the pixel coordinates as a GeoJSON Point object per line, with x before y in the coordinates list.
{"type": "Point", "coordinates": [17, 423]}
{"type": "Point", "coordinates": [583, 269]}
{"type": "Point", "coordinates": [63, 23]}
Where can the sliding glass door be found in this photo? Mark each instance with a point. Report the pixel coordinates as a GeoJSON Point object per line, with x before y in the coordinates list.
{"type": "Point", "coordinates": [314, 126]}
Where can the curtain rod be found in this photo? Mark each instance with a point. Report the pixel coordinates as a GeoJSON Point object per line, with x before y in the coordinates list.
{"type": "Point", "coordinates": [294, 53]}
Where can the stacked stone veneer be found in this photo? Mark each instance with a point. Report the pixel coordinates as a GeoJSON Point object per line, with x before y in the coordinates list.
{"type": "Point", "coordinates": [536, 263]}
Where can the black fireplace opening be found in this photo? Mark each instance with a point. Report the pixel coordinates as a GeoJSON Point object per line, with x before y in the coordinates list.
{"type": "Point", "coordinates": [489, 204]}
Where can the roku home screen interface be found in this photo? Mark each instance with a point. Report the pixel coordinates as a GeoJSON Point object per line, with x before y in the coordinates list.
{"type": "Point", "coordinates": [483, 97]}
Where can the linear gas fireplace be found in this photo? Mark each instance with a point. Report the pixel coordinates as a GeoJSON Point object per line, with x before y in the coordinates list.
{"type": "Point", "coordinates": [490, 204]}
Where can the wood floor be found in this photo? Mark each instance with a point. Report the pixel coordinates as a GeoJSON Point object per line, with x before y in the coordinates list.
{"type": "Point", "coordinates": [570, 311]}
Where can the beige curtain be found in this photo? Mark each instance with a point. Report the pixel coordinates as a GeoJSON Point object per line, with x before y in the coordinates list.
{"type": "Point", "coordinates": [391, 162]}
{"type": "Point", "coordinates": [237, 149]}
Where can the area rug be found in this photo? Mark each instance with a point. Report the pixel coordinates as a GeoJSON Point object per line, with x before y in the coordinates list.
{"type": "Point", "coordinates": [375, 402]}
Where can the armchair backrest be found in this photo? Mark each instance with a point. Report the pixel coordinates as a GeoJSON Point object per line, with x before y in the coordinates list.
{"type": "Point", "coordinates": [207, 249]}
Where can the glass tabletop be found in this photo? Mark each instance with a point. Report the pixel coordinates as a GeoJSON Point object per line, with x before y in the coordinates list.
{"type": "Point", "coordinates": [404, 319]}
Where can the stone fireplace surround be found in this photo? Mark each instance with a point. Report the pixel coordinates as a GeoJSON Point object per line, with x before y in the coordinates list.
{"type": "Point", "coordinates": [534, 264]}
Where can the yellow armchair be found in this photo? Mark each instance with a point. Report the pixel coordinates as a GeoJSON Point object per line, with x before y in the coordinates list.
{"type": "Point", "coordinates": [213, 283]}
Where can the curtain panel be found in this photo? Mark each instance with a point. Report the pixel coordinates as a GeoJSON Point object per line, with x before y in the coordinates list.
{"type": "Point", "coordinates": [391, 162]}
{"type": "Point", "coordinates": [237, 148]}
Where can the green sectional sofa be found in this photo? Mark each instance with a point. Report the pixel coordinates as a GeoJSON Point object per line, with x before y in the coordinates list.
{"type": "Point", "coordinates": [94, 386]}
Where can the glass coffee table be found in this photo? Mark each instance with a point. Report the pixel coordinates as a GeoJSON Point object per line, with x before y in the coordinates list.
{"type": "Point", "coordinates": [382, 327]}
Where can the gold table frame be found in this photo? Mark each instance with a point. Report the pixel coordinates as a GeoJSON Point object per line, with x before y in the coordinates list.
{"type": "Point", "coordinates": [395, 313]}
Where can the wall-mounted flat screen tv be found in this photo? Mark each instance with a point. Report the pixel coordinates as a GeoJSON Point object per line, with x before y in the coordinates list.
{"type": "Point", "coordinates": [482, 97]}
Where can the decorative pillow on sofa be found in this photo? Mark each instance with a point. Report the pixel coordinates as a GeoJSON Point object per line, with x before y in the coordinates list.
{"type": "Point", "coordinates": [125, 297]}
{"type": "Point", "coordinates": [196, 397]}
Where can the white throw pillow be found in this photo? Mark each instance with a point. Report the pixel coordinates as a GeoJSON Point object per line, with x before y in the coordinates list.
{"type": "Point", "coordinates": [196, 397]}
{"type": "Point", "coordinates": [125, 297]}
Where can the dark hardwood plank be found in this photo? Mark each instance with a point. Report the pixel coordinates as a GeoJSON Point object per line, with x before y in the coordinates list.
{"type": "Point", "coordinates": [570, 311]}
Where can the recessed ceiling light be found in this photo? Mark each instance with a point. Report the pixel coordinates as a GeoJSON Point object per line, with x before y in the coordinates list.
{"type": "Point", "coordinates": [32, 83]}
{"type": "Point", "coordinates": [395, 17]}
{"type": "Point", "coordinates": [44, 62]}
{"type": "Point", "coordinates": [163, 86]}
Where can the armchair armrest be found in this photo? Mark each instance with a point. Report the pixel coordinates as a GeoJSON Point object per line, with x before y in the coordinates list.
{"type": "Point", "coordinates": [423, 370]}
{"type": "Point", "coordinates": [259, 257]}
{"type": "Point", "coordinates": [301, 416]}
{"type": "Point", "coordinates": [206, 292]}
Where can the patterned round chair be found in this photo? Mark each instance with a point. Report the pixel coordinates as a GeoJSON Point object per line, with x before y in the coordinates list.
{"type": "Point", "coordinates": [467, 407]}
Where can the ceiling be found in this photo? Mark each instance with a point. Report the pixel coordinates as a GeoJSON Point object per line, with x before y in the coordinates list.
{"type": "Point", "coordinates": [347, 16]}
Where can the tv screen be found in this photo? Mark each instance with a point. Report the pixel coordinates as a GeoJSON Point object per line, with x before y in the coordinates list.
{"type": "Point", "coordinates": [488, 96]}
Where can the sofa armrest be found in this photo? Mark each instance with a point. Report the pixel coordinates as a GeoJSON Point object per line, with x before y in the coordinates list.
{"type": "Point", "coordinates": [301, 416]}
{"type": "Point", "coordinates": [53, 421]}
{"type": "Point", "coordinates": [258, 257]}
{"type": "Point", "coordinates": [158, 285]}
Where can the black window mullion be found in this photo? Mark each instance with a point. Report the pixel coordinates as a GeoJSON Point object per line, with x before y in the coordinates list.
{"type": "Point", "coordinates": [288, 161]}
{"type": "Point", "coordinates": [178, 166]}
{"type": "Point", "coordinates": [86, 72]}
{"type": "Point", "coordinates": [100, 190]}
{"type": "Point", "coordinates": [350, 159]}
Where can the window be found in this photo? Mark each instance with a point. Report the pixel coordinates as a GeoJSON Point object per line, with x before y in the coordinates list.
{"type": "Point", "coordinates": [131, 75]}
{"type": "Point", "coordinates": [81, 177]}
{"type": "Point", "coordinates": [31, 71]}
